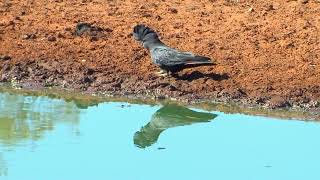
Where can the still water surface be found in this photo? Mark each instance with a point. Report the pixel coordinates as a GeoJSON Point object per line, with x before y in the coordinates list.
{"type": "Point", "coordinates": [52, 139]}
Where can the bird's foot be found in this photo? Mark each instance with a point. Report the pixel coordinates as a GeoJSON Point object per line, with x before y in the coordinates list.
{"type": "Point", "coordinates": [163, 73]}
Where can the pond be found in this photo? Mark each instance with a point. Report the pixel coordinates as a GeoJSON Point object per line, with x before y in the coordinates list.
{"type": "Point", "coordinates": [45, 137]}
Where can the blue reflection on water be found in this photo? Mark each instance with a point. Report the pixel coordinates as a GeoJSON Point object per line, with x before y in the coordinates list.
{"type": "Point", "coordinates": [99, 144]}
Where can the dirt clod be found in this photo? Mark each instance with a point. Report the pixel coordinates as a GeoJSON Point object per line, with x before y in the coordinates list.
{"type": "Point", "coordinates": [28, 36]}
{"type": "Point", "coordinates": [173, 10]}
{"type": "Point", "coordinates": [82, 28]}
{"type": "Point", "coordinates": [278, 102]}
{"type": "Point", "coordinates": [303, 1]}
{"type": "Point", "coordinates": [52, 38]}
{"type": "Point", "coordinates": [5, 57]}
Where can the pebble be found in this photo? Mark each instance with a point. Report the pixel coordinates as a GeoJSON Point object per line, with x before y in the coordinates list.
{"type": "Point", "coordinates": [270, 8]}
{"type": "Point", "coordinates": [18, 18]}
{"type": "Point", "coordinates": [82, 27]}
{"type": "Point", "coordinates": [159, 18]}
{"type": "Point", "coordinates": [173, 10]}
{"type": "Point", "coordinates": [304, 1]}
{"type": "Point", "coordinates": [108, 30]}
{"type": "Point", "coordinates": [5, 57]}
{"type": "Point", "coordinates": [94, 38]}
{"type": "Point", "coordinates": [52, 38]}
{"type": "Point", "coordinates": [278, 102]}
{"type": "Point", "coordinates": [28, 36]}
{"type": "Point", "coordinates": [10, 23]}
{"type": "Point", "coordinates": [25, 36]}
{"type": "Point", "coordinates": [60, 35]}
{"type": "Point", "coordinates": [68, 29]}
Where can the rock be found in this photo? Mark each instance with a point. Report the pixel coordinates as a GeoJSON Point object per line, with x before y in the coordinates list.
{"type": "Point", "coordinates": [82, 27]}
{"type": "Point", "coordinates": [52, 38]}
{"type": "Point", "coordinates": [11, 23]}
{"type": "Point", "coordinates": [160, 97]}
{"type": "Point", "coordinates": [303, 1]}
{"type": "Point", "coordinates": [86, 80]}
{"type": "Point", "coordinates": [3, 78]}
{"type": "Point", "coordinates": [108, 30]}
{"type": "Point", "coordinates": [146, 15]}
{"type": "Point", "coordinates": [28, 36]}
{"type": "Point", "coordinates": [173, 10]}
{"type": "Point", "coordinates": [18, 18]}
{"type": "Point", "coordinates": [32, 36]}
{"type": "Point", "coordinates": [5, 57]}
{"type": "Point", "coordinates": [25, 36]}
{"type": "Point", "coordinates": [94, 32]}
{"type": "Point", "coordinates": [60, 35]}
{"type": "Point", "coordinates": [159, 18]}
{"type": "Point", "coordinates": [94, 38]}
{"type": "Point", "coordinates": [278, 102]}
{"type": "Point", "coordinates": [89, 71]}
{"type": "Point", "coordinates": [270, 7]}
{"type": "Point", "coordinates": [251, 9]}
{"type": "Point", "coordinates": [116, 84]}
{"type": "Point", "coordinates": [68, 29]}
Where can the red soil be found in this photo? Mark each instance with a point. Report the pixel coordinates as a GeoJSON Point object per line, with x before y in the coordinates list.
{"type": "Point", "coordinates": [267, 52]}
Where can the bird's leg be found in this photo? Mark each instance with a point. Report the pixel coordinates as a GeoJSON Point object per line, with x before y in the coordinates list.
{"type": "Point", "coordinates": [163, 73]}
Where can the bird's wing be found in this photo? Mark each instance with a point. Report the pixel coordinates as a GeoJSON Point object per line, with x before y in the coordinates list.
{"type": "Point", "coordinates": [169, 57]}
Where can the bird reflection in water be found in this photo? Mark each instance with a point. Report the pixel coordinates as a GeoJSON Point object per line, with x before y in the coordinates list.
{"type": "Point", "coordinates": [169, 116]}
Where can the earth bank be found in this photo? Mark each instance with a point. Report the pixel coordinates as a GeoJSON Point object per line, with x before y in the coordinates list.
{"type": "Point", "coordinates": [267, 53]}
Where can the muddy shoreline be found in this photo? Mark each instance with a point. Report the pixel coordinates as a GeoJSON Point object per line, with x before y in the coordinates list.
{"type": "Point", "coordinates": [267, 53]}
{"type": "Point", "coordinates": [85, 100]}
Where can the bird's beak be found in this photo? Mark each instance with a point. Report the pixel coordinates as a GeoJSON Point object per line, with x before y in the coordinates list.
{"type": "Point", "coordinates": [135, 36]}
{"type": "Point", "coordinates": [144, 45]}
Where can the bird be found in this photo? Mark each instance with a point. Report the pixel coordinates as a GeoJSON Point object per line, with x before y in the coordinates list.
{"type": "Point", "coordinates": [169, 60]}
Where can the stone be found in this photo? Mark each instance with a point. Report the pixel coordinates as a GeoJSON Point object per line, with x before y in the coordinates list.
{"type": "Point", "coordinates": [5, 57]}
{"type": "Point", "coordinates": [52, 38]}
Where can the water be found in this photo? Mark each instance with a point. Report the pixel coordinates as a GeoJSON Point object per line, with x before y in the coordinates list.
{"type": "Point", "coordinates": [55, 139]}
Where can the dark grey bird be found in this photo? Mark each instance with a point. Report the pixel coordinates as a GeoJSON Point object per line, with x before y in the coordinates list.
{"type": "Point", "coordinates": [169, 60]}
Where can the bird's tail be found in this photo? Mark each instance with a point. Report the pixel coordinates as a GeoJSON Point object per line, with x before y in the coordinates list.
{"type": "Point", "coordinates": [197, 61]}
{"type": "Point", "coordinates": [140, 31]}
{"type": "Point", "coordinates": [200, 61]}
{"type": "Point", "coordinates": [187, 66]}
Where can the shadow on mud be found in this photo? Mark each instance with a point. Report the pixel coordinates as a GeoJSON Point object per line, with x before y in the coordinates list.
{"type": "Point", "coordinates": [198, 75]}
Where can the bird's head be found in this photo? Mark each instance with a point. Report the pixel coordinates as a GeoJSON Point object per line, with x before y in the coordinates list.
{"type": "Point", "coordinates": [149, 39]}
{"type": "Point", "coordinates": [145, 35]}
